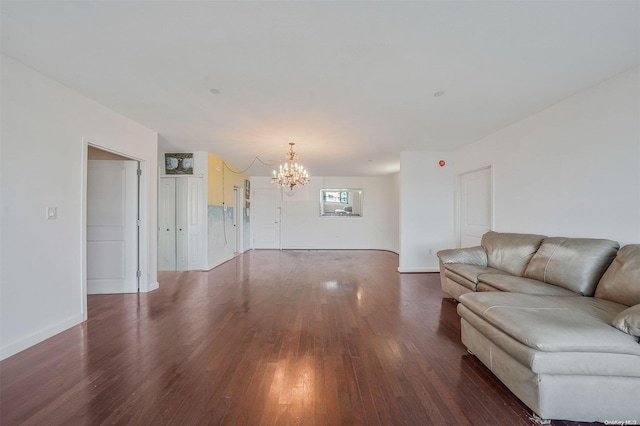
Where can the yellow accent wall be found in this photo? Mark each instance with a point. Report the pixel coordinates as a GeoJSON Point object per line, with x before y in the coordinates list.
{"type": "Point", "coordinates": [222, 179]}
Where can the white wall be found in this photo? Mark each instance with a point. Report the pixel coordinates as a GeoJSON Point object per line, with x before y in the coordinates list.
{"type": "Point", "coordinates": [45, 129]}
{"type": "Point", "coordinates": [570, 170]}
{"type": "Point", "coordinates": [222, 234]}
{"type": "Point", "coordinates": [426, 209]}
{"type": "Point", "coordinates": [302, 226]}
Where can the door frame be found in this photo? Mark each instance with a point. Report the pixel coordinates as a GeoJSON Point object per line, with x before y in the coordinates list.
{"type": "Point", "coordinates": [143, 237]}
{"type": "Point", "coordinates": [458, 201]}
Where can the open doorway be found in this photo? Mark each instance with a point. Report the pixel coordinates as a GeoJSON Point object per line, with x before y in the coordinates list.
{"type": "Point", "coordinates": [112, 223]}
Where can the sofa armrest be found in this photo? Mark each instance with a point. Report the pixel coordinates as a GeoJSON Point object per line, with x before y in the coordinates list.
{"type": "Point", "coordinates": [469, 255]}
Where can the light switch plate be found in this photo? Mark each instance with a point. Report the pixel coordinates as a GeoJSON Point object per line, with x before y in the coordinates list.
{"type": "Point", "coordinates": [52, 213]}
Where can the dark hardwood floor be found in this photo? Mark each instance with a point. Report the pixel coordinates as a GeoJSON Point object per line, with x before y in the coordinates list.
{"type": "Point", "coordinates": [291, 337]}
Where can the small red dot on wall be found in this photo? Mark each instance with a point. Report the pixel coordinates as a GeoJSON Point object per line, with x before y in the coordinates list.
{"type": "Point", "coordinates": [441, 163]}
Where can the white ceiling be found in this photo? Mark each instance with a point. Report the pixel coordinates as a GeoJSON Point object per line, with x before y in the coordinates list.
{"type": "Point", "coordinates": [352, 83]}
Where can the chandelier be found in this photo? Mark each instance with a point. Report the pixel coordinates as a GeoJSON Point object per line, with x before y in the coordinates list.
{"type": "Point", "coordinates": [290, 173]}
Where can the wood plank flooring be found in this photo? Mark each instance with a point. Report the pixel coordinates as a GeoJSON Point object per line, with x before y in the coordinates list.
{"type": "Point", "coordinates": [271, 337]}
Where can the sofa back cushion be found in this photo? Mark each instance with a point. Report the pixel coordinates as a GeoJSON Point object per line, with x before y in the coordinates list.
{"type": "Point", "coordinates": [621, 282]}
{"type": "Point", "coordinates": [576, 264]}
{"type": "Point", "coordinates": [510, 252]}
{"type": "Point", "coordinates": [628, 321]}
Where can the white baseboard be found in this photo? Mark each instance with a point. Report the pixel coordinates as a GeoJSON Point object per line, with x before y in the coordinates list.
{"type": "Point", "coordinates": [27, 342]}
{"type": "Point", "coordinates": [150, 287]}
{"type": "Point", "coordinates": [332, 248]}
{"type": "Point", "coordinates": [219, 262]}
{"type": "Point", "coordinates": [417, 270]}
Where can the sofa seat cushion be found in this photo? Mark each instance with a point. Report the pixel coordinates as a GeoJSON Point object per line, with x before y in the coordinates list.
{"type": "Point", "coordinates": [576, 264]}
{"type": "Point", "coordinates": [550, 363]}
{"type": "Point", "coordinates": [554, 323]}
{"type": "Point", "coordinates": [500, 282]}
{"type": "Point", "coordinates": [467, 275]}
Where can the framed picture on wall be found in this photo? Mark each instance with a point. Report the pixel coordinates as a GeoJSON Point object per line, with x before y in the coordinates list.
{"type": "Point", "coordinates": [178, 164]}
{"type": "Point", "coordinates": [247, 189]}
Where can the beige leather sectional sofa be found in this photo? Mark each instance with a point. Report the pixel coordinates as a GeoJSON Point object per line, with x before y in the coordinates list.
{"type": "Point", "coordinates": [557, 320]}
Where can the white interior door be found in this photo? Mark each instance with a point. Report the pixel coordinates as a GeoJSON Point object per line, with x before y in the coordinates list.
{"type": "Point", "coordinates": [167, 224]}
{"type": "Point", "coordinates": [112, 232]}
{"type": "Point", "coordinates": [476, 215]}
{"type": "Point", "coordinates": [181, 224]}
{"type": "Point", "coordinates": [266, 214]}
{"type": "Point", "coordinates": [182, 242]}
{"type": "Point", "coordinates": [238, 194]}
{"type": "Point", "coordinates": [195, 222]}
